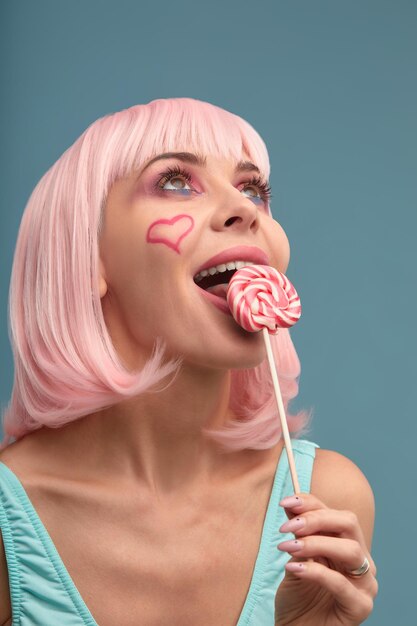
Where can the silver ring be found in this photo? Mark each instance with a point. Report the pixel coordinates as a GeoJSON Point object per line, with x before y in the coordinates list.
{"type": "Point", "coordinates": [360, 571]}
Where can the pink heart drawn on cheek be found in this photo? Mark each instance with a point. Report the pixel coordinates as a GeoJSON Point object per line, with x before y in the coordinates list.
{"type": "Point", "coordinates": [170, 232]}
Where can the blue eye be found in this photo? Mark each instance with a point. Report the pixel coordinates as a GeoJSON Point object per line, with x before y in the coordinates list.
{"type": "Point", "coordinates": [175, 177]}
{"type": "Point", "coordinates": [261, 187]}
{"type": "Point", "coordinates": [257, 198]}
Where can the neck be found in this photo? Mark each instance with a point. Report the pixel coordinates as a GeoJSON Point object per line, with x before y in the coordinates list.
{"type": "Point", "coordinates": [156, 440]}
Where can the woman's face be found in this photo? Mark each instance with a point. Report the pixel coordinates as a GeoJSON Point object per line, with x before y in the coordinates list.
{"type": "Point", "coordinates": [164, 228]}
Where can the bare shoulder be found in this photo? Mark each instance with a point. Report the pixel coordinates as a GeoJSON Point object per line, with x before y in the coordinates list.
{"type": "Point", "coordinates": [24, 454]}
{"type": "Point", "coordinates": [336, 477]}
{"type": "Point", "coordinates": [340, 484]}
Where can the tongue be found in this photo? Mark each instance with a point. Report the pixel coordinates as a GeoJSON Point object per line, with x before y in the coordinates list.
{"type": "Point", "coordinates": [219, 290]}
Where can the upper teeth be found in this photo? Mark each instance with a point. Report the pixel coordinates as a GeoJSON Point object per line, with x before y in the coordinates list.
{"type": "Point", "coordinates": [217, 269]}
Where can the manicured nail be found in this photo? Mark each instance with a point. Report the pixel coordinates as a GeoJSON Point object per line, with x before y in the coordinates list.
{"type": "Point", "coordinates": [294, 566]}
{"type": "Point", "coordinates": [291, 501]}
{"type": "Point", "coordinates": [293, 524]}
{"type": "Point", "coordinates": [291, 546]}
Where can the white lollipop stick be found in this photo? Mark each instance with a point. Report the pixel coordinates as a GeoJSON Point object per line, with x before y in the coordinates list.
{"type": "Point", "coordinates": [281, 410]}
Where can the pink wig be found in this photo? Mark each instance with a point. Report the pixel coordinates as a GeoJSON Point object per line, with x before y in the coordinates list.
{"type": "Point", "coordinates": [66, 366]}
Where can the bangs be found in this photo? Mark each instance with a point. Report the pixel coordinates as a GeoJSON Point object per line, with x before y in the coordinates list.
{"type": "Point", "coordinates": [138, 134]}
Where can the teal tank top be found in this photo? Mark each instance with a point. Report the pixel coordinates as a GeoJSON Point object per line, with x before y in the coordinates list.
{"type": "Point", "coordinates": [43, 593]}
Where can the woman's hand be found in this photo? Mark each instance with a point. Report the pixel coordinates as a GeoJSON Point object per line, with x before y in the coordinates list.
{"type": "Point", "coordinates": [322, 592]}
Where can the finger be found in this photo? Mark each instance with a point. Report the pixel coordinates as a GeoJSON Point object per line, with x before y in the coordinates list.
{"type": "Point", "coordinates": [347, 554]}
{"type": "Point", "coordinates": [355, 603]}
{"type": "Point", "coordinates": [302, 502]}
{"type": "Point", "coordinates": [342, 523]}
{"type": "Point", "coordinates": [326, 521]}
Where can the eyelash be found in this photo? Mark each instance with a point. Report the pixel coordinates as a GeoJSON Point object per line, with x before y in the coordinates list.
{"type": "Point", "coordinates": [172, 172]}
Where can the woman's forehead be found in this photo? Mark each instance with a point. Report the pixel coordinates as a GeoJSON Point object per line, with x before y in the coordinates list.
{"type": "Point", "coordinates": [245, 164]}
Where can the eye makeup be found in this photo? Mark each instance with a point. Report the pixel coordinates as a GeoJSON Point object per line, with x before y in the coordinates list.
{"type": "Point", "coordinates": [262, 186]}
{"type": "Point", "coordinates": [179, 172]}
{"type": "Point", "coordinates": [170, 173]}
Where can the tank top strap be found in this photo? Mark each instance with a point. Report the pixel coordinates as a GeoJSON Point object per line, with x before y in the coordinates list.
{"type": "Point", "coordinates": [269, 569]}
{"type": "Point", "coordinates": [304, 455]}
{"type": "Point", "coordinates": [40, 593]}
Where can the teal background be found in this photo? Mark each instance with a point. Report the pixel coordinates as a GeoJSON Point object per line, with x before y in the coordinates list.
{"type": "Point", "coordinates": [331, 87]}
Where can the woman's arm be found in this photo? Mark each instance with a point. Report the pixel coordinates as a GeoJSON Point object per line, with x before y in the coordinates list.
{"type": "Point", "coordinates": [339, 520]}
{"type": "Point", "coordinates": [340, 484]}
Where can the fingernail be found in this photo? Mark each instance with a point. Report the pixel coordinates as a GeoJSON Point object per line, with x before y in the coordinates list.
{"type": "Point", "coordinates": [295, 566]}
{"type": "Point", "coordinates": [291, 501]}
{"type": "Point", "coordinates": [291, 546]}
{"type": "Point", "coordinates": [293, 524]}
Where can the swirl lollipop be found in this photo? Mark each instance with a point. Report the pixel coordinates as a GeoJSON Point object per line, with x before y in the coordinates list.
{"type": "Point", "coordinates": [260, 298]}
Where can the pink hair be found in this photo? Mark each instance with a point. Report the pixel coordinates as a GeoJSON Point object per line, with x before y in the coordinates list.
{"type": "Point", "coordinates": [66, 366]}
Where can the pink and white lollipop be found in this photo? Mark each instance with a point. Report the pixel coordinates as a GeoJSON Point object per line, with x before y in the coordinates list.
{"type": "Point", "coordinates": [259, 296]}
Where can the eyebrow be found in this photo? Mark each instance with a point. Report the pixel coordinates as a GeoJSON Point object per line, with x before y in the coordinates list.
{"type": "Point", "coordinates": [194, 159]}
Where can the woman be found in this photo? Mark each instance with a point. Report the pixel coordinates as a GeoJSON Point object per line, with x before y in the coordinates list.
{"type": "Point", "coordinates": [146, 480]}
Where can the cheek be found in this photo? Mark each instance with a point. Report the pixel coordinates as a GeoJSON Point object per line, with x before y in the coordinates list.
{"type": "Point", "coordinates": [279, 246]}
{"type": "Point", "coordinates": [170, 232]}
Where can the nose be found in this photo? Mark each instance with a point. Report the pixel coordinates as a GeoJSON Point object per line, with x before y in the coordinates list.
{"type": "Point", "coordinates": [236, 213]}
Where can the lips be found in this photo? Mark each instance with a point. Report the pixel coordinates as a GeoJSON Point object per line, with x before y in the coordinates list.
{"type": "Point", "coordinates": [220, 303]}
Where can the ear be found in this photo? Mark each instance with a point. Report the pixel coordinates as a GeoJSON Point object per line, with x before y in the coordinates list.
{"type": "Point", "coordinates": [102, 280]}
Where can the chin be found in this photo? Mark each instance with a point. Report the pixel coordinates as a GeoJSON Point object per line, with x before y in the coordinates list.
{"type": "Point", "coordinates": [237, 357]}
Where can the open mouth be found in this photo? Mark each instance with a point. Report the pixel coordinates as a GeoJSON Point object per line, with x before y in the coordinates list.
{"type": "Point", "coordinates": [215, 280]}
